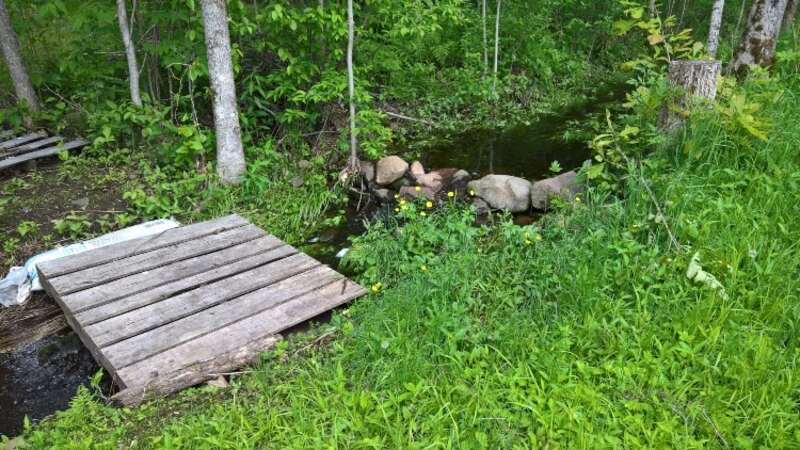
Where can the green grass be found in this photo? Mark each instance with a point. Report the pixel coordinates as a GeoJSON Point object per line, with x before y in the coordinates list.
{"type": "Point", "coordinates": [590, 337]}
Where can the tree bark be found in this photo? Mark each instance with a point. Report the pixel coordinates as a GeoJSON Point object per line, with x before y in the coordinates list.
{"type": "Point", "coordinates": [496, 46]}
{"type": "Point", "coordinates": [485, 44]}
{"type": "Point", "coordinates": [698, 80]}
{"type": "Point", "coordinates": [716, 24]}
{"type": "Point", "coordinates": [788, 17]}
{"type": "Point", "coordinates": [351, 89]}
{"type": "Point", "coordinates": [130, 53]}
{"type": "Point", "coordinates": [230, 155]}
{"type": "Point", "coordinates": [760, 36]}
{"type": "Point", "coordinates": [16, 66]}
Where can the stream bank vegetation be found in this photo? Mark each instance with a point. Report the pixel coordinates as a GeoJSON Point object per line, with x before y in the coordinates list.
{"type": "Point", "coordinates": [658, 309]}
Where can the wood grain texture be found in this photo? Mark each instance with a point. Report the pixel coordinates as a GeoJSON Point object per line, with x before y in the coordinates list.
{"type": "Point", "coordinates": [144, 281]}
{"type": "Point", "coordinates": [164, 313]}
{"type": "Point", "coordinates": [121, 268]}
{"type": "Point", "coordinates": [25, 138]}
{"type": "Point", "coordinates": [102, 255]}
{"type": "Point", "coordinates": [50, 151]}
{"type": "Point", "coordinates": [31, 146]}
{"type": "Point", "coordinates": [152, 342]}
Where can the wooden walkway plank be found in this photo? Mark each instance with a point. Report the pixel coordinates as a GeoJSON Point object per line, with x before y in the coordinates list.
{"type": "Point", "coordinates": [133, 247]}
{"type": "Point", "coordinates": [31, 146]}
{"type": "Point", "coordinates": [178, 287]}
{"type": "Point", "coordinates": [163, 312]}
{"type": "Point", "coordinates": [267, 322]}
{"type": "Point", "coordinates": [144, 319]}
{"type": "Point", "coordinates": [50, 151]}
{"type": "Point", "coordinates": [22, 140]}
{"type": "Point", "coordinates": [144, 281]}
{"type": "Point", "coordinates": [142, 346]}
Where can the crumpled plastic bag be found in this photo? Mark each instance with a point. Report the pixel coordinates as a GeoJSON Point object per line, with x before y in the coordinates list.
{"type": "Point", "coordinates": [17, 286]}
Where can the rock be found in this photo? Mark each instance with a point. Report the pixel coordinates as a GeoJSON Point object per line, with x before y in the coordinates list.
{"type": "Point", "coordinates": [390, 169]}
{"type": "Point", "coordinates": [417, 170]}
{"type": "Point", "coordinates": [384, 195]}
{"type": "Point", "coordinates": [80, 203]}
{"type": "Point", "coordinates": [400, 183]}
{"type": "Point", "coordinates": [219, 382]}
{"type": "Point", "coordinates": [297, 181]}
{"type": "Point", "coordinates": [412, 192]}
{"type": "Point", "coordinates": [304, 164]}
{"type": "Point", "coordinates": [564, 186]}
{"type": "Point", "coordinates": [503, 192]}
{"type": "Point", "coordinates": [461, 176]}
{"type": "Point", "coordinates": [481, 207]}
{"type": "Point", "coordinates": [433, 180]}
{"type": "Point", "coordinates": [368, 170]}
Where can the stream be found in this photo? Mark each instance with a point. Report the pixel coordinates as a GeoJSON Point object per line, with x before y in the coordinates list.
{"type": "Point", "coordinates": [41, 378]}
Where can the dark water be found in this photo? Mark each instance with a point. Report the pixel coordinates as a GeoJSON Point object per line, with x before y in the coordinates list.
{"type": "Point", "coordinates": [525, 150]}
{"type": "Point", "coordinates": [40, 378]}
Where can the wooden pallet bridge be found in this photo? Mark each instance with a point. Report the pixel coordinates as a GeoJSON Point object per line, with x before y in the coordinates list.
{"type": "Point", "coordinates": [165, 312]}
{"type": "Point", "coordinates": [19, 149]}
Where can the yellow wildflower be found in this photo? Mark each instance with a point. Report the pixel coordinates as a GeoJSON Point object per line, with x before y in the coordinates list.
{"type": "Point", "coordinates": [527, 242]}
{"type": "Point", "coordinates": [402, 202]}
{"type": "Point", "coordinates": [396, 196]}
{"type": "Point", "coordinates": [376, 287]}
{"type": "Point", "coordinates": [429, 204]}
{"type": "Point", "coordinates": [451, 194]}
{"type": "Point", "coordinates": [423, 268]}
{"type": "Point", "coordinates": [397, 210]}
{"type": "Point", "coordinates": [423, 214]}
{"type": "Point", "coordinates": [577, 199]}
{"type": "Point", "coordinates": [417, 188]}
{"type": "Point", "coordinates": [538, 237]}
{"type": "Point", "coordinates": [472, 193]}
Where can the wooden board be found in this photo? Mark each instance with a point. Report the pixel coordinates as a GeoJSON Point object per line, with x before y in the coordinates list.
{"type": "Point", "coordinates": [43, 153]}
{"type": "Point", "coordinates": [164, 312]}
{"type": "Point", "coordinates": [22, 140]}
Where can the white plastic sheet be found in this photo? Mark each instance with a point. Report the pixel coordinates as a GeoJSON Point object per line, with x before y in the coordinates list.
{"type": "Point", "coordinates": [16, 288]}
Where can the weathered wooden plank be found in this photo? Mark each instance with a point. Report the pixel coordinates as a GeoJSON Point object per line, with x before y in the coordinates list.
{"type": "Point", "coordinates": [22, 140]}
{"type": "Point", "coordinates": [31, 146]}
{"type": "Point", "coordinates": [147, 280]}
{"type": "Point", "coordinates": [113, 252]}
{"type": "Point", "coordinates": [121, 268]}
{"type": "Point", "coordinates": [108, 310]}
{"type": "Point", "coordinates": [199, 372]}
{"type": "Point", "coordinates": [267, 322]}
{"type": "Point", "coordinates": [164, 313]}
{"type": "Point", "coordinates": [147, 344]}
{"type": "Point", "coordinates": [50, 151]}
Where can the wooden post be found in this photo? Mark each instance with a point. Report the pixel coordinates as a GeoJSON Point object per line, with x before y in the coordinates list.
{"type": "Point", "coordinates": [698, 79]}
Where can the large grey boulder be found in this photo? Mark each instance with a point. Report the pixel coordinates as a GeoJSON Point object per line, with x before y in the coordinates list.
{"type": "Point", "coordinates": [417, 170]}
{"type": "Point", "coordinates": [564, 186]}
{"type": "Point", "coordinates": [503, 192]}
{"type": "Point", "coordinates": [390, 169]}
{"type": "Point", "coordinates": [367, 170]}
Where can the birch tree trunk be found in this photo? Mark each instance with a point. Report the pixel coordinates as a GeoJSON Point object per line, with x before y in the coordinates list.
{"type": "Point", "coordinates": [485, 45]}
{"type": "Point", "coordinates": [716, 24]}
{"type": "Point", "coordinates": [351, 89]}
{"type": "Point", "coordinates": [698, 79]}
{"type": "Point", "coordinates": [16, 66]}
{"type": "Point", "coordinates": [496, 46]}
{"type": "Point", "coordinates": [230, 155]}
{"type": "Point", "coordinates": [760, 35]}
{"type": "Point", "coordinates": [130, 53]}
{"type": "Point", "coordinates": [788, 17]}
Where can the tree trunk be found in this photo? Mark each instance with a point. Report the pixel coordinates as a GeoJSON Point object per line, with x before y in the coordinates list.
{"type": "Point", "coordinates": [230, 155]}
{"type": "Point", "coordinates": [716, 24]}
{"type": "Point", "coordinates": [130, 53]}
{"type": "Point", "coordinates": [16, 66]}
{"type": "Point", "coordinates": [496, 46]}
{"type": "Point", "coordinates": [485, 45]}
{"type": "Point", "coordinates": [698, 79]}
{"type": "Point", "coordinates": [760, 36]}
{"type": "Point", "coordinates": [351, 89]}
{"type": "Point", "coordinates": [652, 9]}
{"type": "Point", "coordinates": [788, 17]}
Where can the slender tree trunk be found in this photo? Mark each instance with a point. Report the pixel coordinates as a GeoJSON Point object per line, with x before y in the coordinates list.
{"type": "Point", "coordinates": [652, 9]}
{"type": "Point", "coordinates": [791, 12]}
{"type": "Point", "coordinates": [230, 155]}
{"type": "Point", "coordinates": [16, 66]}
{"type": "Point", "coordinates": [716, 24]}
{"type": "Point", "coordinates": [485, 44]}
{"type": "Point", "coordinates": [351, 89]}
{"type": "Point", "coordinates": [130, 53]}
{"type": "Point", "coordinates": [760, 36]}
{"type": "Point", "coordinates": [496, 46]}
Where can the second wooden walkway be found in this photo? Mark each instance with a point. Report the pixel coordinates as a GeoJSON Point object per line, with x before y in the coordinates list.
{"type": "Point", "coordinates": [164, 312]}
{"type": "Point", "coordinates": [16, 150]}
